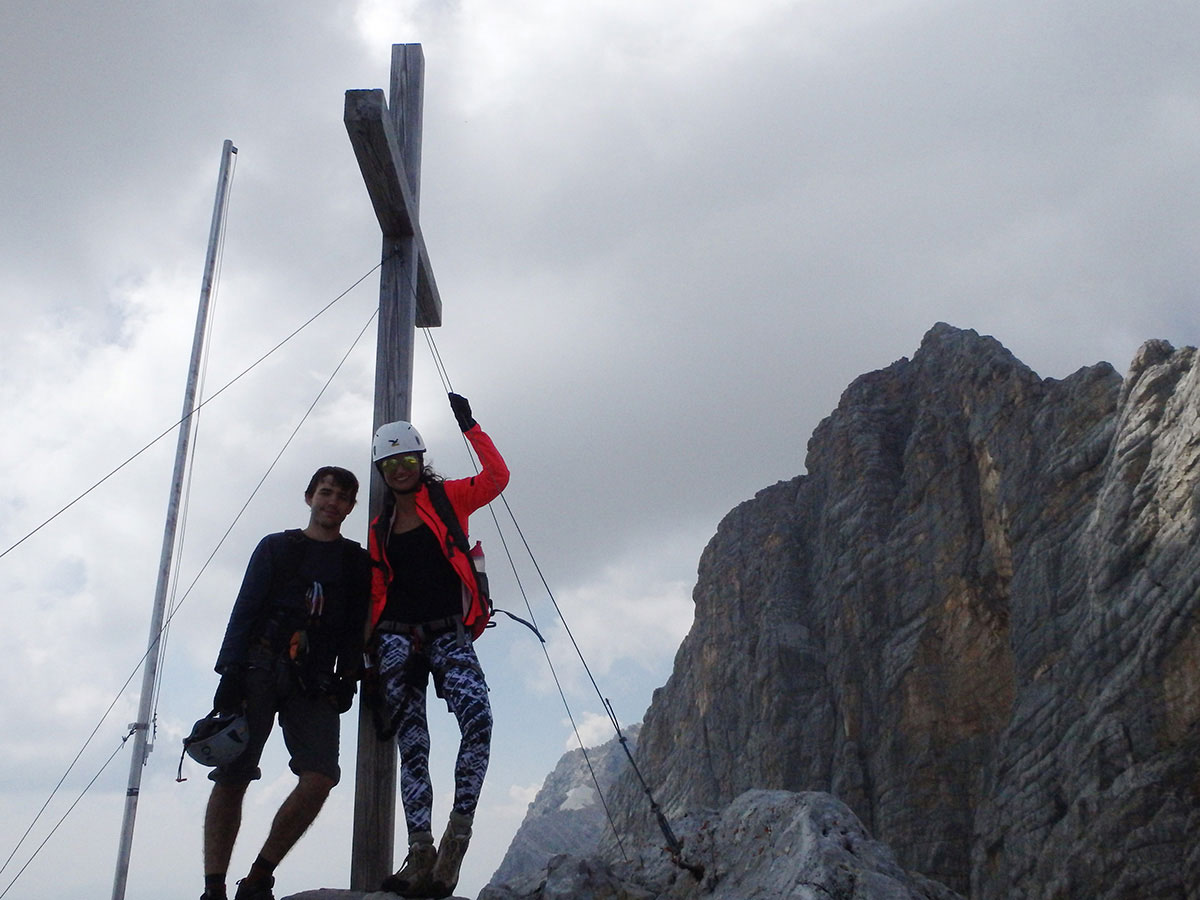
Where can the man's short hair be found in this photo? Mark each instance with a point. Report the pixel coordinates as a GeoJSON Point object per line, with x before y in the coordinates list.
{"type": "Point", "coordinates": [343, 478]}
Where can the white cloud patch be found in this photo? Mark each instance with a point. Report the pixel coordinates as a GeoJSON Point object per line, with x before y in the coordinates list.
{"type": "Point", "coordinates": [592, 730]}
{"type": "Point", "coordinates": [522, 795]}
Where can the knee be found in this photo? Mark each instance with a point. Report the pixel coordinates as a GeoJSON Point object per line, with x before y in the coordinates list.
{"type": "Point", "coordinates": [229, 790]}
{"type": "Point", "coordinates": [316, 785]}
{"type": "Point", "coordinates": [478, 728]}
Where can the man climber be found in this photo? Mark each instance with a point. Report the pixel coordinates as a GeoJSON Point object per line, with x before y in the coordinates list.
{"type": "Point", "coordinates": [293, 646]}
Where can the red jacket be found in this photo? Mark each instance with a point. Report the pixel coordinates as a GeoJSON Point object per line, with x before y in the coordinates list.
{"type": "Point", "coordinates": [466, 495]}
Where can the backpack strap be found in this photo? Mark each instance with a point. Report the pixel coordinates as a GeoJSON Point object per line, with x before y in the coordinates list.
{"type": "Point", "coordinates": [445, 510]}
{"type": "Point", "coordinates": [457, 537]}
{"type": "Point", "coordinates": [276, 618]}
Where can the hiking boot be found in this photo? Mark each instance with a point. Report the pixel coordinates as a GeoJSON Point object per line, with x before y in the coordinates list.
{"type": "Point", "coordinates": [413, 879]}
{"type": "Point", "coordinates": [259, 890]}
{"type": "Point", "coordinates": [450, 854]}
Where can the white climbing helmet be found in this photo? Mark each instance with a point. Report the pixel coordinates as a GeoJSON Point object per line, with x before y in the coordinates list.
{"type": "Point", "coordinates": [217, 739]}
{"type": "Point", "coordinates": [394, 438]}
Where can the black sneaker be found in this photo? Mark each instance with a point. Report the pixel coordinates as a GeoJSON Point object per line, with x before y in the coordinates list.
{"type": "Point", "coordinates": [260, 891]}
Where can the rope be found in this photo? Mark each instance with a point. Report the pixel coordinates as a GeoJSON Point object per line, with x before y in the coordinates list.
{"type": "Point", "coordinates": [78, 755]}
{"type": "Point", "coordinates": [664, 825]}
{"type": "Point", "coordinates": [199, 406]}
{"type": "Point", "coordinates": [64, 817]}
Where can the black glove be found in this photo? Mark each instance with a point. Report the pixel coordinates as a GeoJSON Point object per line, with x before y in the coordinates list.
{"type": "Point", "coordinates": [462, 412]}
{"type": "Point", "coordinates": [342, 693]}
{"type": "Point", "coordinates": [231, 691]}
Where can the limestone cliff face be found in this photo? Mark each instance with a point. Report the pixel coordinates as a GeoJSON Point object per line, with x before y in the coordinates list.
{"type": "Point", "coordinates": [976, 620]}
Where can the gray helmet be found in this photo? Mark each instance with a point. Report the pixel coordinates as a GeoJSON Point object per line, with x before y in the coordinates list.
{"type": "Point", "coordinates": [395, 438]}
{"type": "Point", "coordinates": [217, 739]}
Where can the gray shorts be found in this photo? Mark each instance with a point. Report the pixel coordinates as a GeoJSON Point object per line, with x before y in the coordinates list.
{"type": "Point", "coordinates": [311, 729]}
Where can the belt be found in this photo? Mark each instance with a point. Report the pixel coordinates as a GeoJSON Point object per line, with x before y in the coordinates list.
{"type": "Point", "coordinates": [423, 631]}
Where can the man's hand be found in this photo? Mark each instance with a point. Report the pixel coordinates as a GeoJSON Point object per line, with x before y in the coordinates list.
{"type": "Point", "coordinates": [342, 693]}
{"type": "Point", "coordinates": [231, 690]}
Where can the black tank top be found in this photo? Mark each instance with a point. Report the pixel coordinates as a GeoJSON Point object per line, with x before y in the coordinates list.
{"type": "Point", "coordinates": [424, 585]}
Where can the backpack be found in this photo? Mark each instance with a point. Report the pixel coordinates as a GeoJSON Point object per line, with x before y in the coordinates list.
{"type": "Point", "coordinates": [458, 537]}
{"type": "Point", "coordinates": [445, 510]}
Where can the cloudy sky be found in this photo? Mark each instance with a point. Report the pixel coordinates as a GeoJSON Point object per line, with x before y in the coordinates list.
{"type": "Point", "coordinates": [666, 234]}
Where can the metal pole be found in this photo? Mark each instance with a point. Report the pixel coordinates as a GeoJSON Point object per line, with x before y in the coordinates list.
{"type": "Point", "coordinates": [141, 728]}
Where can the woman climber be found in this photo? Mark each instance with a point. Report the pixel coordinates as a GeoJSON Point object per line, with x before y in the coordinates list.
{"type": "Point", "coordinates": [426, 610]}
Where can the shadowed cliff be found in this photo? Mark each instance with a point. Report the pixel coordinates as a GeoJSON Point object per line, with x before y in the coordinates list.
{"type": "Point", "coordinates": [976, 620]}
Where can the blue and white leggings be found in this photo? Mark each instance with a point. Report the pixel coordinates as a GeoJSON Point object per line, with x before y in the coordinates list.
{"type": "Point", "coordinates": [404, 674]}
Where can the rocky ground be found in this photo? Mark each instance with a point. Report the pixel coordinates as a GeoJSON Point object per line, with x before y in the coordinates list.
{"type": "Point", "coordinates": [764, 845]}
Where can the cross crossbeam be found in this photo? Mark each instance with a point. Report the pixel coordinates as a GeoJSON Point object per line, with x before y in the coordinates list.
{"type": "Point", "coordinates": [380, 157]}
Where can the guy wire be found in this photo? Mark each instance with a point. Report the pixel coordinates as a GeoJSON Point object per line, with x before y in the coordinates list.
{"type": "Point", "coordinates": [208, 400]}
{"type": "Point", "coordinates": [445, 378]}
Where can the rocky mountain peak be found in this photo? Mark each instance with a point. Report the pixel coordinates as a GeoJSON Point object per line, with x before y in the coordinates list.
{"type": "Point", "coordinates": [975, 621]}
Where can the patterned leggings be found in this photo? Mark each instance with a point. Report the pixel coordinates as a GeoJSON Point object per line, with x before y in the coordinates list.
{"type": "Point", "coordinates": [404, 673]}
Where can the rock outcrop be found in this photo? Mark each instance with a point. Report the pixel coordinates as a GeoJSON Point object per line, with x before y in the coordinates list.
{"type": "Point", "coordinates": [567, 815]}
{"type": "Point", "coordinates": [976, 620]}
{"type": "Point", "coordinates": [769, 845]}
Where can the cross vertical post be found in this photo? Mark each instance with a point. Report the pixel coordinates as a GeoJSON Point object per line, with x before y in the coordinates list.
{"type": "Point", "coordinates": [386, 136]}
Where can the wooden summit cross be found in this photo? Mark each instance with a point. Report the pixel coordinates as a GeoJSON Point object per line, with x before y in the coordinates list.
{"type": "Point", "coordinates": [387, 143]}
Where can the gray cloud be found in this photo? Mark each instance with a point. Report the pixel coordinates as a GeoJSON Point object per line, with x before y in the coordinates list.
{"type": "Point", "coordinates": [667, 236]}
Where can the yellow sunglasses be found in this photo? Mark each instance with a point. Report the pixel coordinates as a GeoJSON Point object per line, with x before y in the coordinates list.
{"type": "Point", "coordinates": [392, 463]}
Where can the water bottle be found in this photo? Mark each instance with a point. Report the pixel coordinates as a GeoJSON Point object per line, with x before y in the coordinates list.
{"type": "Point", "coordinates": [480, 564]}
